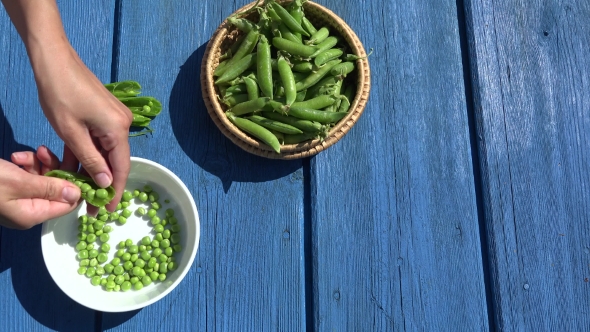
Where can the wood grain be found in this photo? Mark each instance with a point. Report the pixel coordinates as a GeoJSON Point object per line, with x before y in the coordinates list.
{"type": "Point", "coordinates": [248, 273]}
{"type": "Point", "coordinates": [30, 300]}
{"type": "Point", "coordinates": [395, 228]}
{"type": "Point", "coordinates": [530, 74]}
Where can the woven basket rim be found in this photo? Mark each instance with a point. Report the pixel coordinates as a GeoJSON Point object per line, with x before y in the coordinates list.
{"type": "Point", "coordinates": [292, 151]}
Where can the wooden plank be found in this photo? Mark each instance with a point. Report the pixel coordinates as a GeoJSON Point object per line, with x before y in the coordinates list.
{"type": "Point", "coordinates": [395, 228]}
{"type": "Point", "coordinates": [248, 273]}
{"type": "Point", "coordinates": [530, 74]}
{"type": "Point", "coordinates": [29, 295]}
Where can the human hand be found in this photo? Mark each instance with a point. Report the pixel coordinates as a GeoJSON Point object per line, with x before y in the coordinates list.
{"type": "Point", "coordinates": [28, 198]}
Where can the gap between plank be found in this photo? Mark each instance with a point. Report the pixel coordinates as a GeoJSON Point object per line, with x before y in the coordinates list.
{"type": "Point", "coordinates": [464, 22]}
{"type": "Point", "coordinates": [308, 253]}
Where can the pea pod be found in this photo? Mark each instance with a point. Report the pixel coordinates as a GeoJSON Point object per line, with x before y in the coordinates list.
{"type": "Point", "coordinates": [319, 36]}
{"type": "Point", "coordinates": [326, 56]}
{"type": "Point", "coordinates": [308, 26]}
{"type": "Point", "coordinates": [235, 99]}
{"type": "Point", "coordinates": [235, 89]}
{"type": "Point", "coordinates": [124, 88]}
{"type": "Point", "coordinates": [318, 102]}
{"type": "Point", "coordinates": [288, 80]}
{"type": "Point", "coordinates": [342, 69]}
{"type": "Point", "coordinates": [287, 34]}
{"type": "Point", "coordinates": [146, 106]}
{"type": "Point", "coordinates": [256, 130]}
{"type": "Point", "coordinates": [304, 125]}
{"type": "Point", "coordinates": [316, 115]}
{"type": "Point", "coordinates": [298, 138]}
{"type": "Point", "coordinates": [354, 57]}
{"type": "Point", "coordinates": [246, 47]}
{"type": "Point", "coordinates": [140, 121]}
{"type": "Point", "coordinates": [264, 67]}
{"type": "Point", "coordinates": [302, 67]}
{"type": "Point", "coordinates": [287, 19]}
{"type": "Point", "coordinates": [327, 44]}
{"type": "Point", "coordinates": [293, 48]}
{"type": "Point", "coordinates": [313, 78]}
{"type": "Point", "coordinates": [346, 99]}
{"type": "Point", "coordinates": [324, 86]}
{"type": "Point", "coordinates": [249, 106]}
{"type": "Point", "coordinates": [242, 24]}
{"type": "Point", "coordinates": [251, 87]}
{"type": "Point", "coordinates": [91, 192]}
{"type": "Point", "coordinates": [237, 69]}
{"type": "Point", "coordinates": [274, 125]}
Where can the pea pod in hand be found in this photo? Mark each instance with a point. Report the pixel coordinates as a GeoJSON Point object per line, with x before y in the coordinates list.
{"type": "Point", "coordinates": [146, 106]}
{"type": "Point", "coordinates": [91, 192]}
{"type": "Point", "coordinates": [124, 88]}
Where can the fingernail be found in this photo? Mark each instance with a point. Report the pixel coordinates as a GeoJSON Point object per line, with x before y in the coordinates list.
{"type": "Point", "coordinates": [70, 194]}
{"type": "Point", "coordinates": [19, 155]}
{"type": "Point", "coordinates": [103, 180]}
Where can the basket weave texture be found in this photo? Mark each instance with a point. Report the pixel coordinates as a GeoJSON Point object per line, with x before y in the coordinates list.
{"type": "Point", "coordinates": [320, 16]}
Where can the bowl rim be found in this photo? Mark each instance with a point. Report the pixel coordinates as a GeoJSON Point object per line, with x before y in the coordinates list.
{"type": "Point", "coordinates": [183, 272]}
{"type": "Point", "coordinates": [292, 151]}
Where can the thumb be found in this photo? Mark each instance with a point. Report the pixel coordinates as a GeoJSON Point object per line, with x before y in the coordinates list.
{"type": "Point", "coordinates": [91, 159]}
{"type": "Point", "coordinates": [50, 189]}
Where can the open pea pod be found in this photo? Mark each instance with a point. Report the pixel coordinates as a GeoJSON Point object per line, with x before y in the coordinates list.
{"type": "Point", "coordinates": [91, 192]}
{"type": "Point", "coordinates": [146, 106]}
{"type": "Point", "coordinates": [124, 88]}
{"type": "Point", "coordinates": [140, 121]}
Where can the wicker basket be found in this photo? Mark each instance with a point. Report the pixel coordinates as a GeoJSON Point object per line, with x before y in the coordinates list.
{"type": "Point", "coordinates": [222, 39]}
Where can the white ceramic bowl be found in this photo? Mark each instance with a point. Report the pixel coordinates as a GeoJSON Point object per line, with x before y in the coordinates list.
{"type": "Point", "coordinates": [60, 236]}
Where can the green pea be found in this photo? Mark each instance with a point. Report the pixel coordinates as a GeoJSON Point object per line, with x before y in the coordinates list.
{"type": "Point", "coordinates": [125, 286]}
{"type": "Point", "coordinates": [114, 215]}
{"type": "Point", "coordinates": [108, 268]}
{"type": "Point", "coordinates": [128, 243]}
{"type": "Point", "coordinates": [116, 261]}
{"type": "Point", "coordinates": [155, 220]}
{"type": "Point", "coordinates": [90, 272]}
{"type": "Point", "coordinates": [140, 211]}
{"type": "Point", "coordinates": [126, 256]}
{"type": "Point", "coordinates": [175, 228]}
{"type": "Point", "coordinates": [90, 194]}
{"type": "Point", "coordinates": [119, 206]}
{"type": "Point", "coordinates": [85, 187]}
{"type": "Point", "coordinates": [134, 280]}
{"type": "Point", "coordinates": [159, 238]}
{"type": "Point", "coordinates": [154, 196]}
{"type": "Point", "coordinates": [83, 254]}
{"type": "Point", "coordinates": [166, 201]}
{"type": "Point", "coordinates": [104, 217]}
{"type": "Point", "coordinates": [136, 193]}
{"type": "Point", "coordinates": [155, 206]}
{"type": "Point", "coordinates": [82, 236]}
{"type": "Point", "coordinates": [147, 188]}
{"type": "Point", "coordinates": [92, 253]}
{"type": "Point", "coordinates": [154, 275]}
{"type": "Point", "coordinates": [125, 205]}
{"type": "Point", "coordinates": [162, 258]}
{"type": "Point", "coordinates": [126, 213]}
{"type": "Point", "coordinates": [163, 268]}
{"type": "Point", "coordinates": [158, 228]}
{"type": "Point", "coordinates": [84, 262]}
{"type": "Point", "coordinates": [134, 257]}
{"type": "Point", "coordinates": [126, 275]}
{"type": "Point", "coordinates": [122, 220]}
{"type": "Point", "coordinates": [172, 266]}
{"type": "Point", "coordinates": [99, 268]}
{"type": "Point", "coordinates": [103, 282]}
{"type": "Point", "coordinates": [102, 193]}
{"type": "Point", "coordinates": [138, 286]}
{"type": "Point", "coordinates": [80, 246]}
{"type": "Point", "coordinates": [177, 248]}
{"type": "Point", "coordinates": [168, 251]}
{"type": "Point", "coordinates": [127, 265]}
{"type": "Point", "coordinates": [143, 197]}
{"type": "Point", "coordinates": [146, 280]}
{"type": "Point", "coordinates": [136, 271]}
{"type": "Point", "coordinates": [127, 196]}
{"type": "Point", "coordinates": [145, 255]}
{"type": "Point", "coordinates": [105, 247]}
{"type": "Point", "coordinates": [93, 262]}
{"type": "Point", "coordinates": [91, 220]}
{"type": "Point", "coordinates": [95, 281]}
{"type": "Point", "coordinates": [90, 246]}
{"type": "Point", "coordinates": [118, 270]}
{"type": "Point", "coordinates": [148, 270]}
{"type": "Point", "coordinates": [107, 229]}
{"type": "Point", "coordinates": [111, 277]}
{"type": "Point", "coordinates": [157, 267]}
{"type": "Point", "coordinates": [155, 244]}
{"type": "Point", "coordinates": [319, 36]}
{"type": "Point", "coordinates": [82, 228]}
{"type": "Point", "coordinates": [146, 240]}
{"type": "Point", "coordinates": [102, 257]}
{"type": "Point", "coordinates": [152, 262]}
{"type": "Point", "coordinates": [164, 222]}
{"type": "Point", "coordinates": [162, 277]}
{"type": "Point", "coordinates": [119, 279]}
{"type": "Point", "coordinates": [82, 270]}
{"type": "Point", "coordinates": [110, 285]}
{"type": "Point", "coordinates": [83, 219]}
{"type": "Point", "coordinates": [152, 213]}
{"type": "Point", "coordinates": [98, 233]}
{"type": "Point", "coordinates": [169, 213]}
{"type": "Point", "coordinates": [140, 262]}
{"type": "Point", "coordinates": [90, 228]}
{"type": "Point", "coordinates": [165, 243]}
{"type": "Point", "coordinates": [102, 210]}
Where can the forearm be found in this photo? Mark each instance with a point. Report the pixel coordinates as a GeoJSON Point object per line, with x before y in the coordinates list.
{"type": "Point", "coordinates": [39, 25]}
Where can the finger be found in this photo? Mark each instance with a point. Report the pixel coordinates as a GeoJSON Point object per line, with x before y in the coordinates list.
{"type": "Point", "coordinates": [120, 165]}
{"type": "Point", "coordinates": [29, 212]}
{"type": "Point", "coordinates": [47, 188]}
{"type": "Point", "coordinates": [69, 162]}
{"type": "Point", "coordinates": [28, 161]}
{"type": "Point", "coordinates": [91, 159]}
{"type": "Point", "coordinates": [48, 159]}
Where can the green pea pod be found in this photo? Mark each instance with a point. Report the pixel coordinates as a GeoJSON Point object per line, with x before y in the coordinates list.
{"type": "Point", "coordinates": [91, 192]}
{"type": "Point", "coordinates": [308, 26]}
{"type": "Point", "coordinates": [264, 67]}
{"type": "Point", "coordinates": [324, 86]}
{"type": "Point", "coordinates": [146, 106]}
{"type": "Point", "coordinates": [342, 69]}
{"type": "Point", "coordinates": [242, 24]}
{"type": "Point", "coordinates": [313, 78]}
{"type": "Point", "coordinates": [235, 99]}
{"type": "Point", "coordinates": [354, 57]}
{"type": "Point", "coordinates": [301, 95]}
{"type": "Point", "coordinates": [327, 44]}
{"type": "Point", "coordinates": [140, 120]}
{"type": "Point", "coordinates": [251, 87]}
{"type": "Point", "coordinates": [249, 106]}
{"type": "Point", "coordinates": [287, 34]}
{"type": "Point", "coordinates": [316, 115]}
{"type": "Point", "coordinates": [319, 36]}
{"type": "Point", "coordinates": [272, 14]}
{"type": "Point", "coordinates": [124, 88]}
{"type": "Point", "coordinates": [318, 102]}
{"type": "Point", "coordinates": [237, 68]}
{"type": "Point", "coordinates": [246, 47]}
{"type": "Point", "coordinates": [293, 48]}
{"type": "Point", "coordinates": [274, 125]}
{"type": "Point", "coordinates": [235, 89]}
{"type": "Point", "coordinates": [304, 125]}
{"type": "Point", "coordinates": [287, 19]}
{"type": "Point", "coordinates": [288, 80]}
{"type": "Point", "coordinates": [256, 130]}
{"type": "Point", "coordinates": [302, 67]}
{"type": "Point", "coordinates": [280, 136]}
{"type": "Point", "coordinates": [296, 10]}
{"type": "Point", "coordinates": [346, 99]}
{"type": "Point", "coordinates": [327, 55]}
{"type": "Point", "coordinates": [299, 138]}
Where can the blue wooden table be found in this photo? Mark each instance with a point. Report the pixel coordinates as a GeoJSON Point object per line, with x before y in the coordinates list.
{"type": "Point", "coordinates": [458, 202]}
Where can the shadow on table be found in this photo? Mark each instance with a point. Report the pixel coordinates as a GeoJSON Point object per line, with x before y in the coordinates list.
{"type": "Point", "coordinates": [204, 143]}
